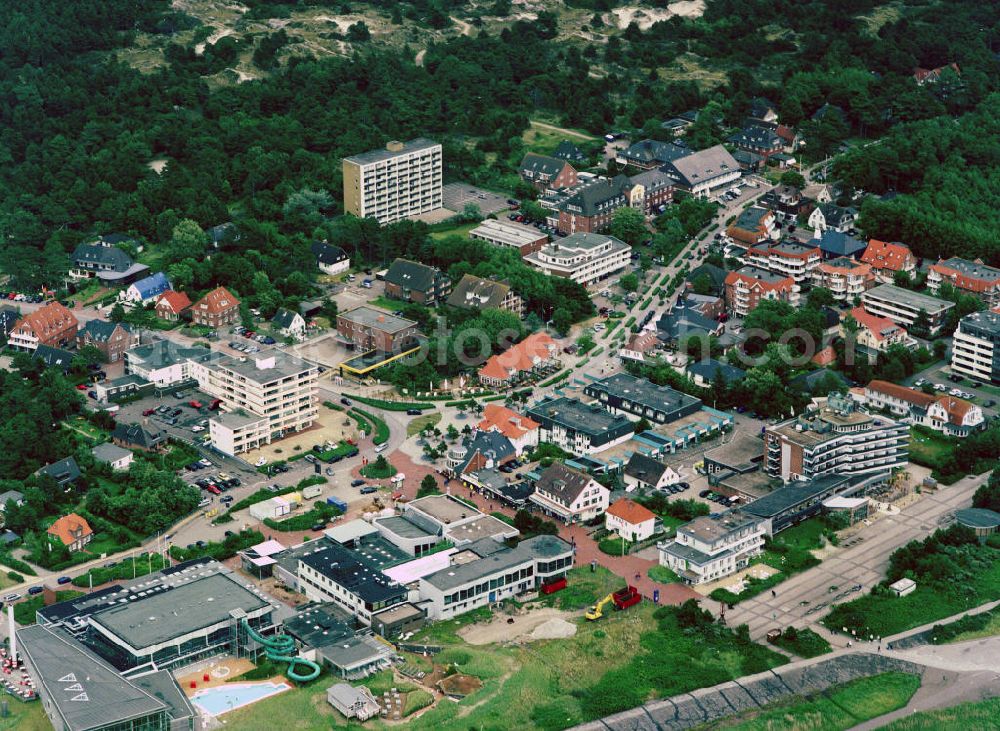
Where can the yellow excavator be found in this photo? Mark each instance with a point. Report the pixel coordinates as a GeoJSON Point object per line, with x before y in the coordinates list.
{"type": "Point", "coordinates": [597, 611]}
{"type": "Point", "coordinates": [622, 599]}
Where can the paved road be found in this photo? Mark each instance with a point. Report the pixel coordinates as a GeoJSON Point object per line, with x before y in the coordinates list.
{"type": "Point", "coordinates": [862, 563]}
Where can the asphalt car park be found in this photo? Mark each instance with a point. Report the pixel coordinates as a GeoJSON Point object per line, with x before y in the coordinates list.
{"type": "Point", "coordinates": [455, 196]}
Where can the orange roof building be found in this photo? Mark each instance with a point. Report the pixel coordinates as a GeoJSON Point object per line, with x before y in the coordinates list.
{"type": "Point", "coordinates": [877, 333]}
{"type": "Point", "coordinates": [171, 304]}
{"type": "Point", "coordinates": [520, 361]}
{"type": "Point", "coordinates": [216, 309]}
{"type": "Point", "coordinates": [520, 430]}
{"type": "Point", "coordinates": [886, 259]}
{"type": "Point", "coordinates": [971, 277]}
{"type": "Point", "coordinates": [73, 530]}
{"type": "Point", "coordinates": [630, 520]}
{"type": "Point", "coordinates": [942, 412]}
{"type": "Point", "coordinates": [53, 325]}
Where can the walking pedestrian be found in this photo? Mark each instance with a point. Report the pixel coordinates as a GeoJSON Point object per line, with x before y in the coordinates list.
{"type": "Point", "coordinates": [773, 593]}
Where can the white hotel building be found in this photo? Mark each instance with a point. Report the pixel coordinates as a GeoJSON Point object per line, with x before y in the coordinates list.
{"type": "Point", "coordinates": [583, 257]}
{"type": "Point", "coordinates": [707, 549]}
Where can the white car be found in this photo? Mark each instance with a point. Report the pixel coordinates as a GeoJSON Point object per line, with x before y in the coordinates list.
{"type": "Point", "coordinates": [955, 392]}
{"type": "Point", "coordinates": [598, 327]}
{"type": "Point", "coordinates": [940, 387]}
{"type": "Point", "coordinates": [260, 462]}
{"type": "Point", "coordinates": [197, 429]}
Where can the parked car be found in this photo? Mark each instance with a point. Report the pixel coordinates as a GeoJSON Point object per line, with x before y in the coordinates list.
{"type": "Point", "coordinates": [345, 401]}
{"type": "Point", "coordinates": [149, 412]}
{"type": "Point", "coordinates": [368, 490]}
{"type": "Point", "coordinates": [357, 483]}
{"type": "Point", "coordinates": [214, 490]}
{"type": "Point", "coordinates": [414, 412]}
{"type": "Point", "coordinates": [63, 580]}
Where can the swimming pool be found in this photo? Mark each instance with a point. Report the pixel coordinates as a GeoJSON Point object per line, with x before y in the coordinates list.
{"type": "Point", "coordinates": [231, 696]}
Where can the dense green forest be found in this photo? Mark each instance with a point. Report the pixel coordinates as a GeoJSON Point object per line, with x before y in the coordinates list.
{"type": "Point", "coordinates": [78, 127]}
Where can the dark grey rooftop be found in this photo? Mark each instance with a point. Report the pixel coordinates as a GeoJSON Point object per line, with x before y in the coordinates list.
{"type": "Point", "coordinates": [643, 391]}
{"type": "Point", "coordinates": [403, 528]}
{"type": "Point", "coordinates": [366, 158]}
{"type": "Point", "coordinates": [85, 692]}
{"type": "Point", "coordinates": [792, 494]}
{"type": "Point", "coordinates": [370, 317]}
{"type": "Point", "coordinates": [590, 419]}
{"type": "Point", "coordinates": [495, 558]}
{"type": "Point", "coordinates": [978, 518]}
{"type": "Point", "coordinates": [915, 300]}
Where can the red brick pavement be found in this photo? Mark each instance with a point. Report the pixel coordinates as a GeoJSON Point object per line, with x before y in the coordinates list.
{"type": "Point", "coordinates": [586, 548]}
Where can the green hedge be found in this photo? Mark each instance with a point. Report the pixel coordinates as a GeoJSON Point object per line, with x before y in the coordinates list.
{"type": "Point", "coordinates": [144, 564]}
{"type": "Point", "coordinates": [321, 512]}
{"type": "Point", "coordinates": [219, 550]}
{"type": "Point", "coordinates": [17, 564]}
{"type": "Point", "coordinates": [392, 405]}
{"type": "Point", "coordinates": [557, 378]}
{"type": "Point", "coordinates": [381, 428]}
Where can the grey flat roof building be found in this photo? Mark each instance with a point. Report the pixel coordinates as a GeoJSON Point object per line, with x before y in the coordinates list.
{"type": "Point", "coordinates": [79, 691]}
{"type": "Point", "coordinates": [404, 148]}
{"type": "Point", "coordinates": [494, 557]}
{"type": "Point", "coordinates": [370, 317]}
{"type": "Point", "coordinates": [589, 419]}
{"type": "Point", "coordinates": [623, 392]}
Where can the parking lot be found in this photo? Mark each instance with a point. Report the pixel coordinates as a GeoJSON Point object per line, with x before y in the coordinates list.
{"type": "Point", "coordinates": [456, 195]}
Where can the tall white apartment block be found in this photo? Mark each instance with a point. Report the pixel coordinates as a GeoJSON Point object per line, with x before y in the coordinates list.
{"type": "Point", "coordinates": [403, 180]}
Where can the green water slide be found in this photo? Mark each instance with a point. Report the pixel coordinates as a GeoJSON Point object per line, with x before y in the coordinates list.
{"type": "Point", "coordinates": [281, 648]}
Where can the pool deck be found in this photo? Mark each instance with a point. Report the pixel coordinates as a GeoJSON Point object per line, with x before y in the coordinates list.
{"type": "Point", "coordinates": [221, 670]}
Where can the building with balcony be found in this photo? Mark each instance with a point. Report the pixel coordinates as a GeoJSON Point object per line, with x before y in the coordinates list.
{"type": "Point", "coordinates": [846, 278]}
{"type": "Point", "coordinates": [105, 261]}
{"type": "Point", "coordinates": [975, 347]}
{"type": "Point", "coordinates": [403, 180]}
{"type": "Point", "coordinates": [537, 354]}
{"type": "Point", "coordinates": [525, 239]}
{"type": "Point", "coordinates": [265, 397]}
{"type": "Point", "coordinates": [591, 207]}
{"type": "Point", "coordinates": [651, 154]}
{"type": "Point", "coordinates": [570, 495]}
{"type": "Point", "coordinates": [877, 334]}
{"type": "Point", "coordinates": [702, 172]}
{"type": "Point", "coordinates": [218, 308]}
{"type": "Point", "coordinates": [411, 281]}
{"type": "Point", "coordinates": [708, 549]}
{"type": "Point", "coordinates": [583, 257]}
{"type": "Point", "coordinates": [166, 363]}
{"type": "Point", "coordinates": [546, 172]}
{"type": "Point", "coordinates": [623, 393]}
{"type": "Point", "coordinates": [786, 258]}
{"type": "Point", "coordinates": [748, 286]}
{"type": "Point", "coordinates": [53, 325]}
{"type": "Point", "coordinates": [802, 499]}
{"type": "Point", "coordinates": [111, 338]}
{"type": "Point", "coordinates": [903, 306]}
{"type": "Point", "coordinates": [967, 277]}
{"type": "Point", "coordinates": [577, 427]}
{"type": "Point", "coordinates": [476, 293]}
{"type": "Point", "coordinates": [835, 437]}
{"type": "Point", "coordinates": [827, 216]}
{"type": "Point", "coordinates": [947, 414]}
{"type": "Point", "coordinates": [887, 259]}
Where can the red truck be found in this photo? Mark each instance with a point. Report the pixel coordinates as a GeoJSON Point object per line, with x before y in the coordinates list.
{"type": "Point", "coordinates": [627, 597]}
{"type": "Point", "coordinates": [214, 406]}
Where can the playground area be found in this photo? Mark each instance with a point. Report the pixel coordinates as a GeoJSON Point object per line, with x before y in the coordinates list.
{"type": "Point", "coordinates": [218, 671]}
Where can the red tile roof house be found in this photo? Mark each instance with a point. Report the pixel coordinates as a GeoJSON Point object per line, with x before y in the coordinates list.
{"type": "Point", "coordinates": [754, 225]}
{"type": "Point", "coordinates": [72, 530]}
{"type": "Point", "coordinates": [952, 416]}
{"type": "Point", "coordinates": [52, 325]}
{"type": "Point", "coordinates": [520, 361]}
{"type": "Point", "coordinates": [520, 430]}
{"type": "Point", "coordinates": [970, 277]}
{"type": "Point", "coordinates": [876, 334]}
{"type": "Point", "coordinates": [171, 305]}
{"type": "Point", "coordinates": [630, 520]}
{"type": "Point", "coordinates": [216, 309]}
{"type": "Point", "coordinates": [886, 259]}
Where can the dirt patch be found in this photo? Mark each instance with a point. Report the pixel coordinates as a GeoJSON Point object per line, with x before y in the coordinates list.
{"type": "Point", "coordinates": [521, 627]}
{"type": "Point", "coordinates": [646, 17]}
{"type": "Point", "coordinates": [459, 686]}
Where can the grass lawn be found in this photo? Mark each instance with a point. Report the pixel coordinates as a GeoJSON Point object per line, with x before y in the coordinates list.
{"type": "Point", "coordinates": [584, 588]}
{"type": "Point", "coordinates": [25, 717]}
{"type": "Point", "coordinates": [929, 448]}
{"type": "Point", "coordinates": [86, 429]}
{"type": "Point", "coordinates": [839, 707]}
{"type": "Point", "coordinates": [385, 303]}
{"type": "Point", "coordinates": [803, 642]}
{"type": "Point", "coordinates": [105, 543]}
{"type": "Point", "coordinates": [963, 717]}
{"type": "Point", "coordinates": [24, 612]}
{"type": "Point", "coordinates": [882, 614]}
{"type": "Point", "coordinates": [544, 140]}
{"type": "Point", "coordinates": [613, 546]}
{"type": "Point", "coordinates": [462, 230]}
{"type": "Point", "coordinates": [969, 627]}
{"type": "Point", "coordinates": [663, 575]}
{"type": "Point", "coordinates": [377, 471]}
{"type": "Point", "coordinates": [420, 422]}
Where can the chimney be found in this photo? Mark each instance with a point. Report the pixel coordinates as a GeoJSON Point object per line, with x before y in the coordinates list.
{"type": "Point", "coordinates": [394, 146]}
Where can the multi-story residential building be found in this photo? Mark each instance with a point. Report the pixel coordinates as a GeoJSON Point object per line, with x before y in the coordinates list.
{"type": "Point", "coordinates": [342, 576]}
{"type": "Point", "coordinates": [827, 216]}
{"type": "Point", "coordinates": [546, 172]}
{"type": "Point", "coordinates": [702, 172]}
{"type": "Point", "coordinates": [111, 338]}
{"type": "Point", "coordinates": [953, 416]}
{"type": "Point", "coordinates": [835, 438]}
{"type": "Point", "coordinates": [759, 140]}
{"type": "Point", "coordinates": [566, 150]}
{"type": "Point", "coordinates": [171, 305]}
{"type": "Point", "coordinates": [904, 306]}
{"type": "Point", "coordinates": [476, 293]}
{"type": "Point", "coordinates": [507, 233]}
{"type": "Point", "coordinates": [654, 188]}
{"type": "Point", "coordinates": [583, 257]}
{"type": "Point", "coordinates": [536, 354]}
{"type": "Point", "coordinates": [707, 548]}
{"type": "Point", "coordinates": [166, 363]}
{"type": "Point", "coordinates": [754, 225]}
{"type": "Point", "coordinates": [846, 278]}
{"type": "Point", "coordinates": [570, 495]}
{"type": "Point", "coordinates": [748, 286]}
{"type": "Point", "coordinates": [651, 154]}
{"type": "Point", "coordinates": [521, 431]}
{"type": "Point", "coordinates": [330, 259]}
{"type": "Point", "coordinates": [886, 259]}
{"type": "Point", "coordinates": [836, 245]}
{"type": "Point", "coordinates": [623, 393]}
{"type": "Point", "coordinates": [411, 281]}
{"type": "Point", "coordinates": [876, 334]}
{"type": "Point", "coordinates": [969, 277]}
{"type": "Point", "coordinates": [277, 389]}
{"type": "Point", "coordinates": [366, 328]}
{"type": "Point", "coordinates": [218, 308]}
{"type": "Point", "coordinates": [787, 200]}
{"type": "Point", "coordinates": [975, 350]}
{"type": "Point", "coordinates": [591, 208]}
{"type": "Point", "coordinates": [105, 261]}
{"type": "Point", "coordinates": [787, 258]}
{"type": "Point", "coordinates": [630, 520]}
{"type": "Point", "coordinates": [403, 180]}
{"type": "Point", "coordinates": [485, 572]}
{"type": "Point", "coordinates": [53, 325]}
{"type": "Point", "coordinates": [577, 427]}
